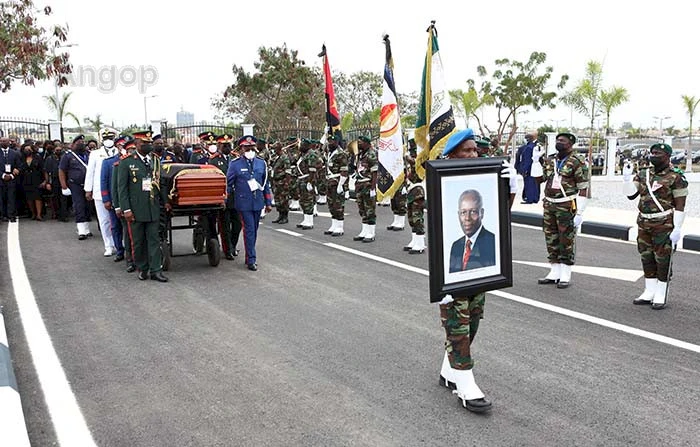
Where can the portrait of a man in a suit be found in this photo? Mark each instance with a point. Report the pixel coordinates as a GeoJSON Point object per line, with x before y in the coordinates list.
{"type": "Point", "coordinates": [477, 248]}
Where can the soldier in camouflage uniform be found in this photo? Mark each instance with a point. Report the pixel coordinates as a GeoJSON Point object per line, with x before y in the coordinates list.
{"type": "Point", "coordinates": [398, 208]}
{"type": "Point", "coordinates": [415, 201]}
{"type": "Point", "coordinates": [281, 182]}
{"type": "Point", "coordinates": [566, 175]}
{"type": "Point", "coordinates": [337, 185]}
{"type": "Point", "coordinates": [293, 144]}
{"type": "Point", "coordinates": [366, 188]}
{"type": "Point", "coordinates": [662, 192]}
{"type": "Point", "coordinates": [309, 166]}
{"type": "Point", "coordinates": [322, 180]}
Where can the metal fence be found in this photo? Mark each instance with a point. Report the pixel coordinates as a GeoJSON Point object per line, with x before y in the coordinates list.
{"type": "Point", "coordinates": [24, 129]}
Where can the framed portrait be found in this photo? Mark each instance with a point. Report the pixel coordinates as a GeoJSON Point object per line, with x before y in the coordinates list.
{"type": "Point", "coordinates": [468, 227]}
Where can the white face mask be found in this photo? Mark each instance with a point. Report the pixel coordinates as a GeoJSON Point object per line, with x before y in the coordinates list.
{"type": "Point", "coordinates": [109, 144]}
{"type": "Point", "coordinates": [249, 155]}
{"type": "Point", "coordinates": [122, 151]}
{"type": "Point", "coordinates": [212, 149]}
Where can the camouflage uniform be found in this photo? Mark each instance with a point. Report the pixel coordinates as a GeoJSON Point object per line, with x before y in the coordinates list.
{"type": "Point", "coordinates": [398, 202]}
{"type": "Point", "coordinates": [367, 164]}
{"type": "Point", "coordinates": [415, 196]}
{"type": "Point", "coordinates": [321, 179]}
{"type": "Point", "coordinates": [309, 163]}
{"type": "Point", "coordinates": [460, 318]}
{"type": "Point", "coordinates": [655, 225]}
{"type": "Point", "coordinates": [559, 212]}
{"type": "Point", "coordinates": [337, 166]}
{"type": "Point", "coordinates": [281, 182]}
{"type": "Point", "coordinates": [294, 183]}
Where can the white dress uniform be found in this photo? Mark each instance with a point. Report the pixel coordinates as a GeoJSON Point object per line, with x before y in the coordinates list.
{"type": "Point", "coordinates": [92, 184]}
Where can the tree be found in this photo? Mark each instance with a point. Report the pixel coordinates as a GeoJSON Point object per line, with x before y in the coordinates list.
{"type": "Point", "coordinates": [359, 93]}
{"type": "Point", "coordinates": [60, 108]}
{"type": "Point", "coordinates": [468, 103]}
{"type": "Point", "coordinates": [95, 123]}
{"type": "Point", "coordinates": [282, 91]}
{"type": "Point", "coordinates": [408, 108]}
{"type": "Point", "coordinates": [609, 99]}
{"type": "Point", "coordinates": [516, 85]}
{"type": "Point", "coordinates": [585, 97]}
{"type": "Point", "coordinates": [690, 103]}
{"type": "Point", "coordinates": [28, 48]}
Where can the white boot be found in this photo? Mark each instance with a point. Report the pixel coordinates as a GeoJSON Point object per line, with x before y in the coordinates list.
{"type": "Point", "coordinates": [447, 373]}
{"type": "Point", "coordinates": [338, 228]}
{"type": "Point", "coordinates": [322, 200]}
{"type": "Point", "coordinates": [649, 292]}
{"type": "Point", "coordinates": [400, 223]}
{"type": "Point", "coordinates": [315, 210]}
{"type": "Point", "coordinates": [84, 228]}
{"type": "Point", "coordinates": [334, 224]}
{"type": "Point", "coordinates": [468, 391]}
{"type": "Point", "coordinates": [394, 223]}
{"type": "Point", "coordinates": [418, 245]}
{"type": "Point", "coordinates": [369, 237]}
{"type": "Point", "coordinates": [553, 275]}
{"type": "Point", "coordinates": [412, 243]}
{"type": "Point", "coordinates": [294, 205]}
{"type": "Point", "coordinates": [659, 300]}
{"type": "Point", "coordinates": [362, 234]}
{"type": "Point", "coordinates": [308, 222]}
{"type": "Point", "coordinates": [565, 277]}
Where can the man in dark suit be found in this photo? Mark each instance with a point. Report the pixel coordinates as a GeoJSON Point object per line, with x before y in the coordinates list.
{"type": "Point", "coordinates": [9, 164]}
{"type": "Point", "coordinates": [477, 248]}
{"type": "Point", "coordinates": [247, 179]}
{"type": "Point", "coordinates": [523, 165]}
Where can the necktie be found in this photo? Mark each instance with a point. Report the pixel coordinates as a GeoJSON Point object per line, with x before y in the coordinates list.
{"type": "Point", "coordinates": [467, 253]}
{"type": "Point", "coordinates": [147, 162]}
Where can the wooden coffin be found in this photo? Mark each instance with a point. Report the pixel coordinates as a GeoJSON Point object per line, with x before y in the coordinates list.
{"type": "Point", "coordinates": [194, 184]}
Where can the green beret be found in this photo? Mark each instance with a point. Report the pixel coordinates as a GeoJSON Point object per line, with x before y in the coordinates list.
{"type": "Point", "coordinates": [260, 140]}
{"type": "Point", "coordinates": [568, 135]}
{"type": "Point", "coordinates": [483, 143]}
{"type": "Point", "coordinates": [291, 138]}
{"type": "Point", "coordinates": [663, 146]}
{"type": "Point", "coordinates": [306, 141]}
{"type": "Point", "coordinates": [364, 138]}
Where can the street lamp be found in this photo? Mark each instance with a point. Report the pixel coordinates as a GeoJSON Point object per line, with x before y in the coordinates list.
{"type": "Point", "coordinates": [145, 107]}
{"type": "Point", "coordinates": [53, 53]}
{"type": "Point", "coordinates": [661, 124]}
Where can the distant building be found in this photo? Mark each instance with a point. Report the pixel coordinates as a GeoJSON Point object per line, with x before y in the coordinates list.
{"type": "Point", "coordinates": [184, 118]}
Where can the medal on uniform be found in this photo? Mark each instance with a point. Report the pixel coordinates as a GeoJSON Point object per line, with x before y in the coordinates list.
{"type": "Point", "coordinates": [134, 179]}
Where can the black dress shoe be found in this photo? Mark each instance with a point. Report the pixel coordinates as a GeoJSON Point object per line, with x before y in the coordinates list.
{"type": "Point", "coordinates": [562, 285]}
{"type": "Point", "coordinates": [283, 221]}
{"type": "Point", "coordinates": [82, 237]}
{"type": "Point", "coordinates": [658, 306]}
{"type": "Point", "coordinates": [358, 238]}
{"type": "Point", "coordinates": [477, 405]}
{"type": "Point", "coordinates": [390, 227]}
{"type": "Point", "coordinates": [229, 256]}
{"type": "Point", "coordinates": [143, 276]}
{"type": "Point", "coordinates": [397, 228]}
{"type": "Point", "coordinates": [253, 267]}
{"type": "Point", "coordinates": [640, 301]}
{"type": "Point", "coordinates": [13, 219]}
{"type": "Point", "coordinates": [89, 235]}
{"type": "Point", "coordinates": [131, 268]}
{"type": "Point", "coordinates": [118, 258]}
{"type": "Point", "coordinates": [328, 232]}
{"type": "Point", "coordinates": [158, 276]}
{"type": "Point", "coordinates": [547, 281]}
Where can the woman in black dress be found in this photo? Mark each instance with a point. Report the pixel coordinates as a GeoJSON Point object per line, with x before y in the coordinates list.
{"type": "Point", "coordinates": [32, 180]}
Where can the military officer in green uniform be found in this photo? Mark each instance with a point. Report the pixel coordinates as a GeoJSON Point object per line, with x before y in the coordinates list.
{"type": "Point", "coordinates": [336, 185]}
{"type": "Point", "coordinates": [281, 182]}
{"type": "Point", "coordinates": [366, 188]}
{"type": "Point", "coordinates": [662, 191]}
{"type": "Point", "coordinates": [566, 175]}
{"type": "Point", "coordinates": [129, 148]}
{"type": "Point", "coordinates": [309, 166]}
{"type": "Point", "coordinates": [415, 201]}
{"type": "Point", "coordinates": [139, 191]}
{"type": "Point", "coordinates": [293, 144]}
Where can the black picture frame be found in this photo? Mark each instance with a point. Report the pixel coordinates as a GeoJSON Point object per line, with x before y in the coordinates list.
{"type": "Point", "coordinates": [492, 265]}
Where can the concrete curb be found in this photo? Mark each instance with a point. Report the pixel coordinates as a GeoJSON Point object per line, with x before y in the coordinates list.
{"type": "Point", "coordinates": [12, 424]}
{"type": "Point", "coordinates": [688, 242]}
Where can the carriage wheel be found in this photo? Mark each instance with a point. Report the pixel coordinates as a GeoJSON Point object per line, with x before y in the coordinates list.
{"type": "Point", "coordinates": [213, 252]}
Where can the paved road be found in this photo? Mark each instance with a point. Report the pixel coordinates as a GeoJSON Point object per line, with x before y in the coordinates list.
{"type": "Point", "coordinates": [325, 347]}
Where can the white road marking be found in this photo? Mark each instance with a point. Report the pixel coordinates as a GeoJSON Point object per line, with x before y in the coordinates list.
{"type": "Point", "coordinates": [69, 423]}
{"type": "Point", "coordinates": [534, 303]}
{"type": "Point", "coordinates": [289, 232]}
{"type": "Point", "coordinates": [621, 274]}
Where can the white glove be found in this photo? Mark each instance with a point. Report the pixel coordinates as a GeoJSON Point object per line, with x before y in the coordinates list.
{"type": "Point", "coordinates": [404, 191]}
{"type": "Point", "coordinates": [341, 182]}
{"type": "Point", "coordinates": [347, 195]}
{"type": "Point", "coordinates": [537, 153]}
{"type": "Point", "coordinates": [309, 187]}
{"type": "Point", "coordinates": [373, 193]}
{"type": "Point", "coordinates": [65, 192]}
{"type": "Point", "coordinates": [627, 172]}
{"type": "Point", "coordinates": [508, 170]}
{"type": "Point", "coordinates": [678, 218]}
{"type": "Point", "coordinates": [578, 219]}
{"type": "Point", "coordinates": [447, 300]}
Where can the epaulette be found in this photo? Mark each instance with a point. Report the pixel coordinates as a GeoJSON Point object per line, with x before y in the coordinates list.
{"type": "Point", "coordinates": [679, 171]}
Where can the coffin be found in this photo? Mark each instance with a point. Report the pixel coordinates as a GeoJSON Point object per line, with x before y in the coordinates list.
{"type": "Point", "coordinates": [193, 184]}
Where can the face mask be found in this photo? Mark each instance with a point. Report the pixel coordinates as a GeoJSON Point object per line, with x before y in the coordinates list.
{"type": "Point", "coordinates": [146, 148]}
{"type": "Point", "coordinates": [158, 149]}
{"type": "Point", "coordinates": [122, 152]}
{"type": "Point", "coordinates": [560, 147]}
{"type": "Point", "coordinates": [249, 155]}
{"type": "Point", "coordinates": [225, 150]}
{"type": "Point", "coordinates": [212, 149]}
{"type": "Point", "coordinates": [41, 150]}
{"type": "Point", "coordinates": [80, 148]}
{"type": "Point", "coordinates": [657, 162]}
{"type": "Point", "coordinates": [27, 153]}
{"type": "Point", "coordinates": [109, 144]}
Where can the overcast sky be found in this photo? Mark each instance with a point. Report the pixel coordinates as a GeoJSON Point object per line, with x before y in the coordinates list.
{"type": "Point", "coordinates": [647, 47]}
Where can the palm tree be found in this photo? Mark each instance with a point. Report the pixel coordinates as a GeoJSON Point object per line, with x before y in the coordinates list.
{"type": "Point", "coordinates": [60, 107]}
{"type": "Point", "coordinates": [690, 104]}
{"type": "Point", "coordinates": [609, 99]}
{"type": "Point", "coordinates": [96, 124]}
{"type": "Point", "coordinates": [468, 103]}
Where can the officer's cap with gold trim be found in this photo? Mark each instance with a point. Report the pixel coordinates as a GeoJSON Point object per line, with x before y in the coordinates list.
{"type": "Point", "coordinates": [143, 135]}
{"type": "Point", "coordinates": [108, 133]}
{"type": "Point", "coordinates": [247, 140]}
{"type": "Point", "coordinates": [225, 138]}
{"type": "Point", "coordinates": [663, 146]}
{"type": "Point", "coordinates": [206, 135]}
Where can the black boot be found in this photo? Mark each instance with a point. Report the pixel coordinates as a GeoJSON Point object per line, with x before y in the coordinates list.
{"type": "Point", "coordinates": [279, 217]}
{"type": "Point", "coordinates": [283, 218]}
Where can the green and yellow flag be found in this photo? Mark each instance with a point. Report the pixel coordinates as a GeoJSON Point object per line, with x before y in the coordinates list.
{"type": "Point", "coordinates": [435, 121]}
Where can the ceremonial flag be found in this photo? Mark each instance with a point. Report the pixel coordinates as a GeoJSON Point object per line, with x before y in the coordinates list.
{"type": "Point", "coordinates": [390, 149]}
{"type": "Point", "coordinates": [332, 115]}
{"type": "Point", "coordinates": [435, 121]}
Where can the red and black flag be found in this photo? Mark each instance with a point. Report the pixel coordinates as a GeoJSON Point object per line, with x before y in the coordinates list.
{"type": "Point", "coordinates": [332, 115]}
